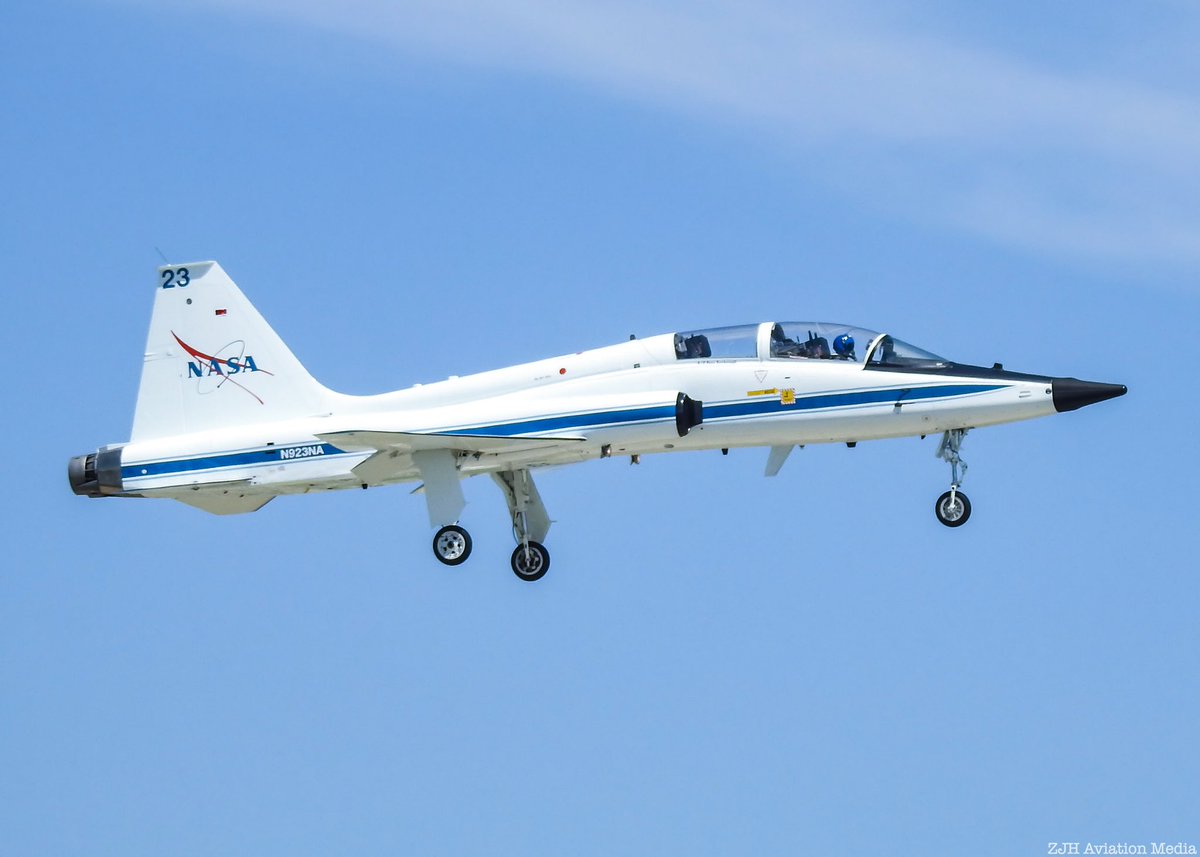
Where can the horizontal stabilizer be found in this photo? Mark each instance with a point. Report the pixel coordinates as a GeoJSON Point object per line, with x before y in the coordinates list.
{"type": "Point", "coordinates": [226, 503]}
{"type": "Point", "coordinates": [232, 497]}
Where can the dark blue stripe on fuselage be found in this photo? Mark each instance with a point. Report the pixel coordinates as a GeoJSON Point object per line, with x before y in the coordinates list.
{"type": "Point", "coordinates": [757, 406]}
{"type": "Point", "coordinates": [269, 455]}
{"type": "Point", "coordinates": [762, 406]}
{"type": "Point", "coordinates": [565, 423]}
{"type": "Point", "coordinates": [750, 407]}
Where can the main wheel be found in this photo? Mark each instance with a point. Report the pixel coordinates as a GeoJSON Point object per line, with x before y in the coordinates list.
{"type": "Point", "coordinates": [952, 510]}
{"type": "Point", "coordinates": [530, 563]}
{"type": "Point", "coordinates": [452, 545]}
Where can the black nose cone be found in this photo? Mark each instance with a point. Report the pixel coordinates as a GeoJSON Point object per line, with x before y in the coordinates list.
{"type": "Point", "coordinates": [1071, 394]}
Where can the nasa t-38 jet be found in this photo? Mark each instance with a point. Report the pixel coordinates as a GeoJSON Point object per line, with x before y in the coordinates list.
{"type": "Point", "coordinates": [227, 418]}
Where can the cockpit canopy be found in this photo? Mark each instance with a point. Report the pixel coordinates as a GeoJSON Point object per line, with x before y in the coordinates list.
{"type": "Point", "coordinates": [822, 340]}
{"type": "Point", "coordinates": [801, 340]}
{"type": "Point", "coordinates": [720, 343]}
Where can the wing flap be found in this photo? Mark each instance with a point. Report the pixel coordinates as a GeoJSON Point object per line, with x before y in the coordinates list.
{"type": "Point", "coordinates": [394, 450]}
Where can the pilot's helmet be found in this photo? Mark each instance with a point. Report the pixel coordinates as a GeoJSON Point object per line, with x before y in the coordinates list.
{"type": "Point", "coordinates": [844, 345]}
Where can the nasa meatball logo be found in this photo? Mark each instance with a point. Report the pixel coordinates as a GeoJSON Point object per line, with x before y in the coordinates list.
{"type": "Point", "coordinates": [228, 365]}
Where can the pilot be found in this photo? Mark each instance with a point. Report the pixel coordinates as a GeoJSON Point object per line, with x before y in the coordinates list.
{"type": "Point", "coordinates": [843, 346]}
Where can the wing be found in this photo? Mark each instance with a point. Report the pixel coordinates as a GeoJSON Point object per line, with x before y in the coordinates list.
{"type": "Point", "coordinates": [393, 449]}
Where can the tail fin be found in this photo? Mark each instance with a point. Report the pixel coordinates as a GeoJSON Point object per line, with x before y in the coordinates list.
{"type": "Point", "coordinates": [213, 362]}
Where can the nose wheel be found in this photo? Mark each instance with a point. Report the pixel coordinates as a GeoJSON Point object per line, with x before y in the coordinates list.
{"type": "Point", "coordinates": [953, 508]}
{"type": "Point", "coordinates": [452, 545]}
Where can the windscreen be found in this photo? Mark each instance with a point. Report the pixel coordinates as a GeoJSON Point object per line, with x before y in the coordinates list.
{"type": "Point", "coordinates": [890, 351]}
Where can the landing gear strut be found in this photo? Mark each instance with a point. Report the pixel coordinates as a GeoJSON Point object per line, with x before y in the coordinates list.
{"type": "Point", "coordinates": [953, 508]}
{"type": "Point", "coordinates": [530, 559]}
{"type": "Point", "coordinates": [452, 545]}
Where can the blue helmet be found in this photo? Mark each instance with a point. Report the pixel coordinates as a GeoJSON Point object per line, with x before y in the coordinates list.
{"type": "Point", "coordinates": [844, 345]}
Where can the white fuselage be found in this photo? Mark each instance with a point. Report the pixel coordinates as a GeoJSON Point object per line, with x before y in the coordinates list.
{"type": "Point", "coordinates": [227, 418]}
{"type": "Point", "coordinates": [617, 400]}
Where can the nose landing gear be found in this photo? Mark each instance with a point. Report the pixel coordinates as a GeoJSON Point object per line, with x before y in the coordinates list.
{"type": "Point", "coordinates": [953, 508]}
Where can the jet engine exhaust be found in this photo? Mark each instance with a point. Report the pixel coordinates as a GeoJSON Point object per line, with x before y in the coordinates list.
{"type": "Point", "coordinates": [97, 474]}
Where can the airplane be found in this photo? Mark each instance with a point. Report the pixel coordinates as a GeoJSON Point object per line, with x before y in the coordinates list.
{"type": "Point", "coordinates": [227, 418]}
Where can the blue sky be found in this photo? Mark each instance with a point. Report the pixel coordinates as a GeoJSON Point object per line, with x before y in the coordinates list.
{"type": "Point", "coordinates": [716, 663]}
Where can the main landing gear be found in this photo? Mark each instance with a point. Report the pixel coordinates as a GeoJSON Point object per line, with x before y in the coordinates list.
{"type": "Point", "coordinates": [953, 508]}
{"type": "Point", "coordinates": [530, 560]}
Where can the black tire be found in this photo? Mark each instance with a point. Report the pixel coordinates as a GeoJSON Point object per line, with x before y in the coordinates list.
{"type": "Point", "coordinates": [953, 515]}
{"type": "Point", "coordinates": [452, 545]}
{"type": "Point", "coordinates": [532, 566]}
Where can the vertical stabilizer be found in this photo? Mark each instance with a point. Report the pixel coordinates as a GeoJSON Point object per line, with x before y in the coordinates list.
{"type": "Point", "coordinates": [213, 362]}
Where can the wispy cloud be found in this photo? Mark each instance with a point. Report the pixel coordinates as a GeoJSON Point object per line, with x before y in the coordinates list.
{"type": "Point", "coordinates": [995, 144]}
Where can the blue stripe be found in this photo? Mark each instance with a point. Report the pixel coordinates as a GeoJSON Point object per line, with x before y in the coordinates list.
{"type": "Point", "coordinates": [763, 405]}
{"type": "Point", "coordinates": [757, 406]}
{"type": "Point", "coordinates": [268, 455]}
{"type": "Point", "coordinates": [575, 421]}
